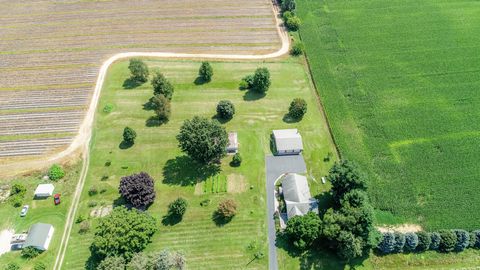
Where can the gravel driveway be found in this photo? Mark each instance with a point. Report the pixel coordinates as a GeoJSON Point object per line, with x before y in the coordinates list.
{"type": "Point", "coordinates": [275, 166]}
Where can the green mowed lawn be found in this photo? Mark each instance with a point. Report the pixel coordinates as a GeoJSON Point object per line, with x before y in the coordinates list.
{"type": "Point", "coordinates": [399, 81]}
{"type": "Point", "coordinates": [206, 245]}
{"type": "Point", "coordinates": [41, 211]}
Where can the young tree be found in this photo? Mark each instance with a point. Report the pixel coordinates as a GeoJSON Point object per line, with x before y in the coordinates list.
{"type": "Point", "coordinates": [129, 135]}
{"type": "Point", "coordinates": [142, 261]}
{"type": "Point", "coordinates": [227, 209]}
{"type": "Point", "coordinates": [203, 140]}
{"type": "Point", "coordinates": [123, 233]}
{"type": "Point", "coordinates": [399, 242]}
{"type": "Point", "coordinates": [18, 189]}
{"type": "Point", "coordinates": [463, 240]}
{"type": "Point", "coordinates": [411, 242]}
{"type": "Point", "coordinates": [178, 207]}
{"type": "Point", "coordinates": [475, 239]}
{"type": "Point", "coordinates": [435, 241]}
{"type": "Point", "coordinates": [424, 241]}
{"type": "Point", "coordinates": [288, 5]}
{"type": "Point", "coordinates": [139, 70]}
{"type": "Point", "coordinates": [297, 48]}
{"type": "Point", "coordinates": [161, 86]}
{"type": "Point", "coordinates": [138, 189]}
{"type": "Point", "coordinates": [162, 107]}
{"type": "Point", "coordinates": [261, 80]}
{"type": "Point", "coordinates": [448, 240]}
{"type": "Point", "coordinates": [167, 260]}
{"type": "Point", "coordinates": [205, 72]}
{"type": "Point", "coordinates": [303, 230]}
{"type": "Point", "coordinates": [298, 108]}
{"type": "Point", "coordinates": [225, 109]}
{"type": "Point", "coordinates": [12, 266]}
{"type": "Point", "coordinates": [344, 177]}
{"type": "Point", "coordinates": [293, 23]}
{"type": "Point", "coordinates": [56, 172]}
{"type": "Point", "coordinates": [112, 263]}
{"type": "Point", "coordinates": [236, 160]}
{"type": "Point", "coordinates": [387, 245]}
{"type": "Point", "coordinates": [30, 252]}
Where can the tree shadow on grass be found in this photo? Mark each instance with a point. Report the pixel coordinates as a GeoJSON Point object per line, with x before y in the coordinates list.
{"type": "Point", "coordinates": [131, 83]}
{"type": "Point", "coordinates": [125, 145]}
{"type": "Point", "coordinates": [252, 95]}
{"type": "Point", "coordinates": [220, 119]}
{"type": "Point", "coordinates": [149, 105]}
{"type": "Point", "coordinates": [153, 121]}
{"type": "Point", "coordinates": [220, 220]}
{"type": "Point", "coordinates": [171, 219]}
{"type": "Point", "coordinates": [199, 81]}
{"type": "Point", "coordinates": [287, 118]}
{"type": "Point", "coordinates": [184, 171]}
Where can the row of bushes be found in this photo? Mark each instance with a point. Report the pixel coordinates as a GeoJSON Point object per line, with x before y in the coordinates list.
{"type": "Point", "coordinates": [443, 241]}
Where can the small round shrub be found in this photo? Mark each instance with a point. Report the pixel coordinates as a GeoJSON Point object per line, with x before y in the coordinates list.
{"type": "Point", "coordinates": [178, 207]}
{"type": "Point", "coordinates": [387, 245]}
{"type": "Point", "coordinates": [435, 240]}
{"type": "Point", "coordinates": [475, 239]}
{"type": "Point", "coordinates": [30, 252]}
{"type": "Point", "coordinates": [84, 227]}
{"type": "Point", "coordinates": [225, 109]}
{"type": "Point", "coordinates": [227, 209]}
{"type": "Point", "coordinates": [298, 108]}
{"type": "Point", "coordinates": [463, 240]}
{"type": "Point", "coordinates": [129, 135]}
{"type": "Point", "coordinates": [108, 108]}
{"type": "Point", "coordinates": [39, 266]}
{"type": "Point", "coordinates": [205, 72]}
{"type": "Point", "coordinates": [56, 172]}
{"type": "Point", "coordinates": [293, 23]}
{"type": "Point", "coordinates": [448, 240]}
{"type": "Point", "coordinates": [297, 49]}
{"type": "Point", "coordinates": [12, 266]}
{"type": "Point", "coordinates": [424, 241]}
{"type": "Point", "coordinates": [79, 219]}
{"type": "Point", "coordinates": [205, 202]}
{"type": "Point", "coordinates": [259, 255]}
{"type": "Point", "coordinates": [16, 201]}
{"type": "Point", "coordinates": [92, 191]}
{"type": "Point", "coordinates": [92, 204]}
{"type": "Point", "coordinates": [236, 160]}
{"type": "Point", "coordinates": [399, 242]}
{"type": "Point", "coordinates": [18, 189]}
{"type": "Point", "coordinates": [247, 82]}
{"type": "Point", "coordinates": [411, 242]}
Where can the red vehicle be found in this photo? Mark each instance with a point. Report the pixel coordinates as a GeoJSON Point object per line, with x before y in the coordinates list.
{"type": "Point", "coordinates": [56, 198]}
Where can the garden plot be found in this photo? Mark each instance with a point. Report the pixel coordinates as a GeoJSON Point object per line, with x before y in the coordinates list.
{"type": "Point", "coordinates": [51, 51]}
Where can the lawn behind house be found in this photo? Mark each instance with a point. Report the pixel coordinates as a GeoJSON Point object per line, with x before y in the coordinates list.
{"type": "Point", "coordinates": [206, 245]}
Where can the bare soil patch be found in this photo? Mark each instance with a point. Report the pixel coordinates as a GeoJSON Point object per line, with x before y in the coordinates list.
{"type": "Point", "coordinates": [403, 228]}
{"type": "Point", "coordinates": [101, 211]}
{"type": "Point", "coordinates": [236, 183]}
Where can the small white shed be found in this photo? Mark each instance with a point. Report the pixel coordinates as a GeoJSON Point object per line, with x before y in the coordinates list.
{"type": "Point", "coordinates": [288, 142]}
{"type": "Point", "coordinates": [44, 190]}
{"type": "Point", "coordinates": [232, 146]}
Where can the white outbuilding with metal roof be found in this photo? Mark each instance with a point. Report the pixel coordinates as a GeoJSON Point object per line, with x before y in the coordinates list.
{"type": "Point", "coordinates": [288, 142]}
{"type": "Point", "coordinates": [39, 236]}
{"type": "Point", "coordinates": [44, 190]}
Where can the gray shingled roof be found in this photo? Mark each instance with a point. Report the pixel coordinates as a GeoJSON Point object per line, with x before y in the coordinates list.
{"type": "Point", "coordinates": [38, 236]}
{"type": "Point", "coordinates": [296, 194]}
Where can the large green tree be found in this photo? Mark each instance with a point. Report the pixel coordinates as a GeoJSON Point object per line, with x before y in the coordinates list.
{"type": "Point", "coordinates": [303, 230]}
{"type": "Point", "coordinates": [123, 233]}
{"type": "Point", "coordinates": [138, 69]}
{"type": "Point", "coordinates": [203, 140]}
{"type": "Point", "coordinates": [345, 176]}
{"type": "Point", "coordinates": [261, 80]}
{"type": "Point", "coordinates": [161, 86]}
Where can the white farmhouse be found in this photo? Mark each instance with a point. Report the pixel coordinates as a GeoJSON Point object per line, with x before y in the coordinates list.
{"type": "Point", "coordinates": [288, 142]}
{"type": "Point", "coordinates": [297, 196]}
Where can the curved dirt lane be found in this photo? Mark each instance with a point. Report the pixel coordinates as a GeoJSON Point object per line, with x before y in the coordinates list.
{"type": "Point", "coordinates": [82, 140]}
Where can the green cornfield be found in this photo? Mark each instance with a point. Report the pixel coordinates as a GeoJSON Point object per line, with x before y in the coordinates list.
{"type": "Point", "coordinates": [400, 82]}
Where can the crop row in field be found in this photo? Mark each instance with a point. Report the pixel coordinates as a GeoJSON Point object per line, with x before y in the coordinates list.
{"type": "Point", "coordinates": [50, 51]}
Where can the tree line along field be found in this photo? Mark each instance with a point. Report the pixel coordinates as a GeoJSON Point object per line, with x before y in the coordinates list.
{"type": "Point", "coordinates": [51, 51]}
{"type": "Point", "coordinates": [400, 80]}
{"type": "Point", "coordinates": [205, 245]}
